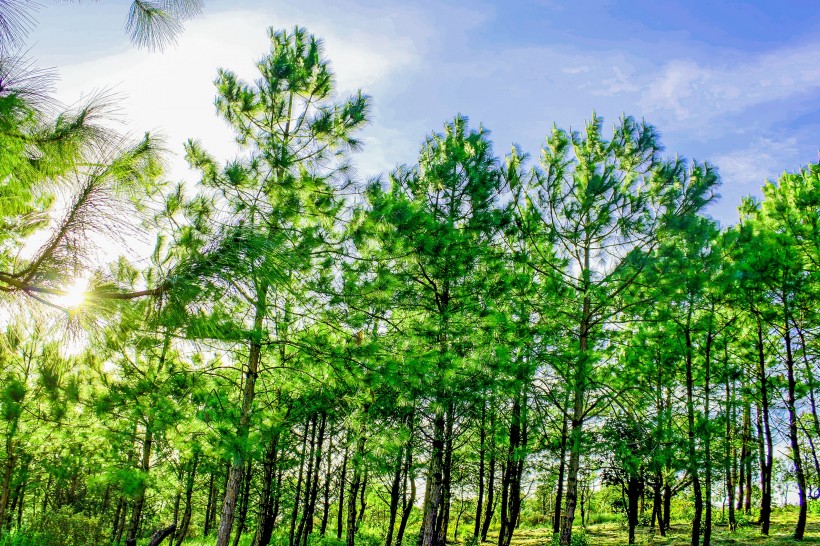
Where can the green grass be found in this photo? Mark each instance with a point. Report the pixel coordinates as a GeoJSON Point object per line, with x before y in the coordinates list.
{"type": "Point", "coordinates": [612, 534]}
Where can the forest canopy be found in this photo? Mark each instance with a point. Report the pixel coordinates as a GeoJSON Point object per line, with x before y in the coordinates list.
{"type": "Point", "coordinates": [463, 349]}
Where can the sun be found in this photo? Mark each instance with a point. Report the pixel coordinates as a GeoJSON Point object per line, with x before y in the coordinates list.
{"type": "Point", "coordinates": [74, 296]}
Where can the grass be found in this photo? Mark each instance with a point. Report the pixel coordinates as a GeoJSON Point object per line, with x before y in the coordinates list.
{"type": "Point", "coordinates": [612, 534]}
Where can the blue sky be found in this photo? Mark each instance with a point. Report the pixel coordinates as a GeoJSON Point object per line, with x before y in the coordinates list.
{"type": "Point", "coordinates": [733, 83]}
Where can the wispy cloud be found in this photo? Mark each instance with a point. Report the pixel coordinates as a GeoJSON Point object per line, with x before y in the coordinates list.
{"type": "Point", "coordinates": [695, 92]}
{"type": "Point", "coordinates": [173, 92]}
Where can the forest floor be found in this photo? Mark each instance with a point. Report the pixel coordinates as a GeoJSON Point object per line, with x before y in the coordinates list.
{"type": "Point", "coordinates": [611, 534]}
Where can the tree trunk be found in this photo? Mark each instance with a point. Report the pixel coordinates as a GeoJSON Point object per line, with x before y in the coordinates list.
{"type": "Point", "coordinates": [395, 491]}
{"type": "Point", "coordinates": [579, 394]}
{"type": "Point", "coordinates": [443, 520]}
{"type": "Point", "coordinates": [482, 435]}
{"type": "Point", "coordinates": [300, 529]}
{"type": "Point", "coordinates": [409, 477]}
{"type": "Point", "coordinates": [707, 440]}
{"type": "Point", "coordinates": [693, 457]}
{"type": "Point", "coordinates": [745, 452]}
{"type": "Point", "coordinates": [800, 528]}
{"type": "Point", "coordinates": [342, 486]}
{"type": "Point", "coordinates": [633, 493]}
{"type": "Point", "coordinates": [145, 466]}
{"type": "Point", "coordinates": [490, 510]}
{"type": "Point", "coordinates": [189, 491]}
{"type": "Point", "coordinates": [314, 491]}
{"type": "Point", "coordinates": [356, 483]}
{"type": "Point", "coordinates": [728, 458]}
{"type": "Point", "coordinates": [328, 477]}
{"type": "Point", "coordinates": [766, 464]}
{"type": "Point", "coordinates": [435, 483]}
{"type": "Point", "coordinates": [559, 493]}
{"type": "Point", "coordinates": [243, 503]}
{"type": "Point", "coordinates": [511, 487]}
{"type": "Point", "coordinates": [243, 428]}
{"type": "Point", "coordinates": [266, 513]}
{"type": "Point", "coordinates": [297, 496]}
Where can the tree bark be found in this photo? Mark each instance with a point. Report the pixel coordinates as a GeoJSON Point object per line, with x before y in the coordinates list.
{"type": "Point", "coordinates": [342, 487]}
{"type": "Point", "coordinates": [482, 435]}
{"type": "Point", "coordinates": [189, 491]}
{"type": "Point", "coordinates": [800, 528]}
{"type": "Point", "coordinates": [579, 384]}
{"type": "Point", "coordinates": [766, 463]}
{"type": "Point", "coordinates": [693, 457]}
{"type": "Point", "coordinates": [559, 493]}
{"type": "Point", "coordinates": [435, 483]}
{"type": "Point", "coordinates": [145, 466]}
{"type": "Point", "coordinates": [297, 496]}
{"type": "Point", "coordinates": [266, 513]}
{"type": "Point", "coordinates": [243, 428]}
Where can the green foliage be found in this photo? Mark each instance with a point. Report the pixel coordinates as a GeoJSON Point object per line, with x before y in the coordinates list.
{"type": "Point", "coordinates": [579, 538]}
{"type": "Point", "coordinates": [61, 528]}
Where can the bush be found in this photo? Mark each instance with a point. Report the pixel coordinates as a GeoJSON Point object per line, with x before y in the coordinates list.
{"type": "Point", "coordinates": [597, 518]}
{"type": "Point", "coordinates": [578, 539]}
{"type": "Point", "coordinates": [316, 539]}
{"type": "Point", "coordinates": [62, 528]}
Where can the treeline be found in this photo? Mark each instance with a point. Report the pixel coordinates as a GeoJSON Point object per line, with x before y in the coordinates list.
{"type": "Point", "coordinates": [417, 360]}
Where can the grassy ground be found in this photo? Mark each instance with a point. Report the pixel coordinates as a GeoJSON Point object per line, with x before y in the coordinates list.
{"type": "Point", "coordinates": [611, 534]}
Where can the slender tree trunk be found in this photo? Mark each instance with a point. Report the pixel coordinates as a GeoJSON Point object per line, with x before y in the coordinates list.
{"type": "Point", "coordinates": [145, 466]}
{"type": "Point", "coordinates": [633, 493]}
{"type": "Point", "coordinates": [243, 428]}
{"type": "Point", "coordinates": [576, 425]}
{"type": "Point", "coordinates": [362, 498]}
{"type": "Point", "coordinates": [342, 486]}
{"type": "Point", "coordinates": [745, 452]}
{"type": "Point", "coordinates": [395, 491]}
{"type": "Point", "coordinates": [297, 497]}
{"type": "Point", "coordinates": [328, 477]}
{"type": "Point", "coordinates": [266, 512]}
{"type": "Point", "coordinates": [728, 459]}
{"type": "Point", "coordinates": [482, 435]}
{"type": "Point", "coordinates": [398, 485]}
{"type": "Point", "coordinates": [210, 506]}
{"type": "Point", "coordinates": [244, 502]}
{"type": "Point", "coordinates": [8, 472]}
{"type": "Point", "coordinates": [657, 500]}
{"type": "Point", "coordinates": [356, 483]}
{"type": "Point", "coordinates": [511, 487]}
{"type": "Point", "coordinates": [435, 483]}
{"type": "Point", "coordinates": [707, 439]}
{"type": "Point", "coordinates": [693, 457]}
{"type": "Point", "coordinates": [766, 467]}
{"type": "Point", "coordinates": [490, 510]}
{"type": "Point", "coordinates": [300, 530]}
{"type": "Point", "coordinates": [409, 478]}
{"type": "Point", "coordinates": [182, 530]}
{"type": "Point", "coordinates": [443, 520]}
{"type": "Point", "coordinates": [667, 507]}
{"type": "Point", "coordinates": [800, 529]}
{"type": "Point", "coordinates": [559, 493]}
{"type": "Point", "coordinates": [311, 508]}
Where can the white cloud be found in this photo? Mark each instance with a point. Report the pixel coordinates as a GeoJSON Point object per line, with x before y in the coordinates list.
{"type": "Point", "coordinates": [173, 92]}
{"type": "Point", "coordinates": [693, 91]}
{"type": "Point", "coordinates": [744, 170]}
{"type": "Point", "coordinates": [749, 167]}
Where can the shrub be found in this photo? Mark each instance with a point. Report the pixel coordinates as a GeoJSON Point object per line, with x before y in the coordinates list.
{"type": "Point", "coordinates": [578, 539]}
{"type": "Point", "coordinates": [61, 528]}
